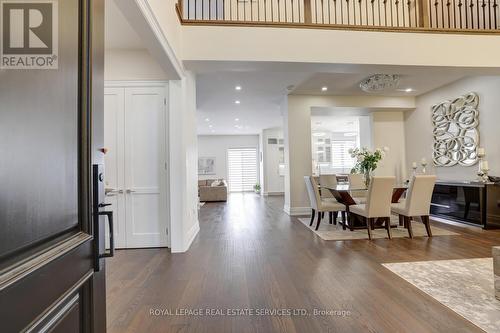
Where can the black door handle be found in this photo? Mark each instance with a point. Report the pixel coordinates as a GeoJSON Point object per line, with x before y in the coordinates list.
{"type": "Point", "coordinates": [111, 252]}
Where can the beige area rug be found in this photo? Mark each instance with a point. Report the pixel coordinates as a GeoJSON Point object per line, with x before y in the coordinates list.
{"type": "Point", "coordinates": [464, 286]}
{"type": "Point", "coordinates": [330, 232]}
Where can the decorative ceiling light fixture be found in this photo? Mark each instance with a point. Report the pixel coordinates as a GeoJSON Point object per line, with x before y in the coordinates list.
{"type": "Point", "coordinates": [379, 82]}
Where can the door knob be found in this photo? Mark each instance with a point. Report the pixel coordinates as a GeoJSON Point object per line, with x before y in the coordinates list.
{"type": "Point", "coordinates": [130, 191]}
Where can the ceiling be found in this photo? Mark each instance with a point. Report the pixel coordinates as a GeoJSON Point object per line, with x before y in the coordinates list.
{"type": "Point", "coordinates": [347, 84]}
{"type": "Point", "coordinates": [260, 97]}
{"type": "Point", "coordinates": [119, 34]}
{"type": "Point", "coordinates": [262, 91]}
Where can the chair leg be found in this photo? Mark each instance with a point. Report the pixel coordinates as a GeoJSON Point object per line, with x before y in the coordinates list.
{"type": "Point", "coordinates": [388, 227]}
{"type": "Point", "coordinates": [369, 227]}
{"type": "Point", "coordinates": [343, 219]}
{"type": "Point", "coordinates": [401, 221]}
{"type": "Point", "coordinates": [330, 217]}
{"type": "Point", "coordinates": [313, 215]}
{"type": "Point", "coordinates": [335, 216]}
{"type": "Point", "coordinates": [427, 223]}
{"type": "Point", "coordinates": [320, 216]}
{"type": "Point", "coordinates": [408, 226]}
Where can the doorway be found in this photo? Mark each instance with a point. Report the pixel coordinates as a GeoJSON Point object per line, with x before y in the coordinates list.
{"type": "Point", "coordinates": [135, 128]}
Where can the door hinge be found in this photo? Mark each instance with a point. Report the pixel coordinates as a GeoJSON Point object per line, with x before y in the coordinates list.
{"type": "Point", "coordinates": [165, 101]}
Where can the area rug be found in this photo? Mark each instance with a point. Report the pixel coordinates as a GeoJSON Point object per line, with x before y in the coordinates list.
{"type": "Point", "coordinates": [464, 286]}
{"type": "Point", "coordinates": [331, 232]}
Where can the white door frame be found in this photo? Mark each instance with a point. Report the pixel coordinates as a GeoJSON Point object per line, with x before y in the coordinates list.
{"type": "Point", "coordinates": [164, 85]}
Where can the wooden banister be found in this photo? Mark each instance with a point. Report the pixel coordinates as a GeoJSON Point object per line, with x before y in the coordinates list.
{"type": "Point", "coordinates": [307, 12]}
{"type": "Point", "coordinates": [383, 15]}
{"type": "Point", "coordinates": [423, 13]}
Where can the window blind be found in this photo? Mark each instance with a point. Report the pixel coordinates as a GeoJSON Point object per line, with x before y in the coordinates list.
{"type": "Point", "coordinates": [242, 169]}
{"type": "Point", "coordinates": [341, 157]}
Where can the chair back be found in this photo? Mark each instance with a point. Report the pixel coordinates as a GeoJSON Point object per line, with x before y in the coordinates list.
{"type": "Point", "coordinates": [418, 200]}
{"type": "Point", "coordinates": [357, 181]}
{"type": "Point", "coordinates": [378, 203]}
{"type": "Point", "coordinates": [311, 192]}
{"type": "Point", "coordinates": [328, 181]}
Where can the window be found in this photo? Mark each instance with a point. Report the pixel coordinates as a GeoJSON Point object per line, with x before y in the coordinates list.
{"type": "Point", "coordinates": [332, 137]}
{"type": "Point", "coordinates": [242, 169]}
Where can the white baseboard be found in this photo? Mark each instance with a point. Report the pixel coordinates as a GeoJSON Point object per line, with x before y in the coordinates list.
{"type": "Point", "coordinates": [190, 236]}
{"type": "Point", "coordinates": [273, 193]}
{"type": "Point", "coordinates": [297, 211]}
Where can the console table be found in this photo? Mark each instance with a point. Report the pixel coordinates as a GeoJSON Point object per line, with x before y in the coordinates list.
{"type": "Point", "coordinates": [472, 203]}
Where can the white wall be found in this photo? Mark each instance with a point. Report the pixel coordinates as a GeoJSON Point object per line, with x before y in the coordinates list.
{"type": "Point", "coordinates": [272, 182]}
{"type": "Point", "coordinates": [217, 146]}
{"type": "Point", "coordinates": [131, 65]}
{"type": "Point", "coordinates": [418, 126]}
{"type": "Point", "coordinates": [222, 43]}
{"type": "Point", "coordinates": [389, 131]}
{"type": "Point", "coordinates": [183, 163]}
{"type": "Point", "coordinates": [297, 129]}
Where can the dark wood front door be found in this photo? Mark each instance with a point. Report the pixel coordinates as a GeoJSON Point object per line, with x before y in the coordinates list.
{"type": "Point", "coordinates": [51, 277]}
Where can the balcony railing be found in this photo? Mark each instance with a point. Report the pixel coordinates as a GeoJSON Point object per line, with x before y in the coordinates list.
{"type": "Point", "coordinates": [396, 15]}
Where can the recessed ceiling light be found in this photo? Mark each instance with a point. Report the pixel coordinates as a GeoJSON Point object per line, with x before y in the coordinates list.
{"type": "Point", "coordinates": [408, 89]}
{"type": "Point", "coordinates": [207, 119]}
{"type": "Point", "coordinates": [210, 126]}
{"type": "Point", "coordinates": [236, 119]}
{"type": "Point", "coordinates": [237, 102]}
{"type": "Point", "coordinates": [324, 88]}
{"type": "Point", "coordinates": [237, 87]}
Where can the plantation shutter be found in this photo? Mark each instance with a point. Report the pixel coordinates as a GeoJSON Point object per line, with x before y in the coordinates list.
{"type": "Point", "coordinates": [341, 157]}
{"type": "Point", "coordinates": [242, 169]}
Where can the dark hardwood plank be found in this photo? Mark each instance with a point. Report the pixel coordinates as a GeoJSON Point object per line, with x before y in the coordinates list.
{"type": "Point", "coordinates": [250, 254]}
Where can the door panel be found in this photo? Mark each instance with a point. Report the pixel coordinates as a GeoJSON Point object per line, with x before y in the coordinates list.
{"type": "Point", "coordinates": [38, 168]}
{"type": "Point", "coordinates": [47, 238]}
{"type": "Point", "coordinates": [145, 175]}
{"type": "Point", "coordinates": [114, 122]}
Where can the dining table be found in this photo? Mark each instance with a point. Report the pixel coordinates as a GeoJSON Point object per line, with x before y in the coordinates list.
{"type": "Point", "coordinates": [343, 194]}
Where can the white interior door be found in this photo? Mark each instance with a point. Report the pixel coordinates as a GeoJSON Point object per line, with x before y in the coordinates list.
{"type": "Point", "coordinates": [114, 121]}
{"type": "Point", "coordinates": [145, 167]}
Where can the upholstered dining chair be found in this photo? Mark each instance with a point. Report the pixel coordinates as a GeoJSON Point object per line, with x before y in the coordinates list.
{"type": "Point", "coordinates": [417, 203]}
{"type": "Point", "coordinates": [320, 206]}
{"type": "Point", "coordinates": [357, 180]}
{"type": "Point", "coordinates": [328, 181]}
{"type": "Point", "coordinates": [378, 204]}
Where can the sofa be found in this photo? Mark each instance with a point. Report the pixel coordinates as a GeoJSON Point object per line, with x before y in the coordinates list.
{"type": "Point", "coordinates": [208, 193]}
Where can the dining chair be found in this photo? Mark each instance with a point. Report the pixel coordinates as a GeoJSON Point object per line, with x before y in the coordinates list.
{"type": "Point", "coordinates": [378, 204]}
{"type": "Point", "coordinates": [327, 181]}
{"type": "Point", "coordinates": [417, 203]}
{"type": "Point", "coordinates": [320, 206]}
{"type": "Point", "coordinates": [357, 180]}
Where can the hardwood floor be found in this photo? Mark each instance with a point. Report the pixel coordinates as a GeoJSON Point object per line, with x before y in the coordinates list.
{"type": "Point", "coordinates": [250, 254]}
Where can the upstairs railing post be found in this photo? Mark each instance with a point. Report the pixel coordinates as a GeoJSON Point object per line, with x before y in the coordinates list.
{"type": "Point", "coordinates": [423, 14]}
{"type": "Point", "coordinates": [307, 12]}
{"type": "Point", "coordinates": [180, 8]}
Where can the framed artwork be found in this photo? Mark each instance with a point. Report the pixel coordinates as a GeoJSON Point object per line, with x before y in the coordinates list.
{"type": "Point", "coordinates": [456, 131]}
{"type": "Point", "coordinates": [206, 166]}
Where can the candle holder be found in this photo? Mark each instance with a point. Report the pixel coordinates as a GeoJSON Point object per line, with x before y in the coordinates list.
{"type": "Point", "coordinates": [424, 165]}
{"type": "Point", "coordinates": [414, 170]}
{"type": "Point", "coordinates": [483, 175]}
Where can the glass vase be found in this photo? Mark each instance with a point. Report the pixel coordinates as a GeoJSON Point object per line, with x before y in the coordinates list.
{"type": "Point", "coordinates": [368, 176]}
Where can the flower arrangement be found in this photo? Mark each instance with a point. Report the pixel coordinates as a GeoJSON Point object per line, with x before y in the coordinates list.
{"type": "Point", "coordinates": [367, 160]}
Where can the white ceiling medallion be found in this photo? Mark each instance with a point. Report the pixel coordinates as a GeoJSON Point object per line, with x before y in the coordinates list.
{"type": "Point", "coordinates": [379, 82]}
